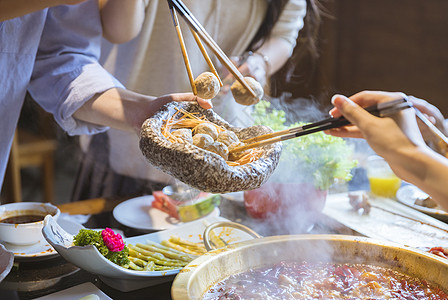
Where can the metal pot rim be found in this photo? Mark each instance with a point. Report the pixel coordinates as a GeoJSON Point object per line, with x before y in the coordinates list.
{"type": "Point", "coordinates": [183, 281]}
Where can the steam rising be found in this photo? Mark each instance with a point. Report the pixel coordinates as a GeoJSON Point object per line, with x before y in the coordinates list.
{"type": "Point", "coordinates": [294, 205]}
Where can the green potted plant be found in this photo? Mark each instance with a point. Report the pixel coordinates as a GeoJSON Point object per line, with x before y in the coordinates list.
{"type": "Point", "coordinates": [308, 167]}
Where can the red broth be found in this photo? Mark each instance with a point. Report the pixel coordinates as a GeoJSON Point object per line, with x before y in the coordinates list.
{"type": "Point", "coordinates": [290, 280]}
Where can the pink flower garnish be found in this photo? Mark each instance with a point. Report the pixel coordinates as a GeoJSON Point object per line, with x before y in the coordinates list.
{"type": "Point", "coordinates": [114, 242]}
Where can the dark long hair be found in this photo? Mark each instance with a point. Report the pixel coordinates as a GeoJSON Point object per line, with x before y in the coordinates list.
{"type": "Point", "coordinates": [306, 48]}
{"type": "Point", "coordinates": [275, 8]}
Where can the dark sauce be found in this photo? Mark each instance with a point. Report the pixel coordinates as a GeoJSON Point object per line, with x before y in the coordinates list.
{"type": "Point", "coordinates": [23, 219]}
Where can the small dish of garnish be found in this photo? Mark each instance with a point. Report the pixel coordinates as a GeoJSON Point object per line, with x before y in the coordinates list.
{"type": "Point", "coordinates": [130, 263]}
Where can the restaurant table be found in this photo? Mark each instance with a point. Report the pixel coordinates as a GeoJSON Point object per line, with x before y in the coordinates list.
{"type": "Point", "coordinates": [33, 279]}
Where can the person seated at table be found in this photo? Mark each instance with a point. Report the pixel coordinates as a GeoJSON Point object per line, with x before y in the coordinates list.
{"type": "Point", "coordinates": [267, 28]}
{"type": "Point", "coordinates": [397, 139]}
{"type": "Point", "coordinates": [52, 51]}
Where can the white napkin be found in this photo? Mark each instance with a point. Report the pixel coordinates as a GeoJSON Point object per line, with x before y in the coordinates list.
{"type": "Point", "coordinates": [81, 219]}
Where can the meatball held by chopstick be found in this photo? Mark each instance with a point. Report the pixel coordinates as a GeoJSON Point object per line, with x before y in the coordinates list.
{"type": "Point", "coordinates": [243, 96]}
{"type": "Point", "coordinates": [207, 85]}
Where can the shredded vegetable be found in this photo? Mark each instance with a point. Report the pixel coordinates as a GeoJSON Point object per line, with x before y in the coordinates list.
{"type": "Point", "coordinates": [185, 119]}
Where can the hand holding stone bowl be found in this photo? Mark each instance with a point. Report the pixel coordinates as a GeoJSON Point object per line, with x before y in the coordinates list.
{"type": "Point", "coordinates": [200, 168]}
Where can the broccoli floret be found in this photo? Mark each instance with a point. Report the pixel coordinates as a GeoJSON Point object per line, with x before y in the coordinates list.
{"type": "Point", "coordinates": [92, 237]}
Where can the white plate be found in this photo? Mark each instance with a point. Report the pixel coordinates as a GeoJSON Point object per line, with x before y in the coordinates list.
{"type": "Point", "coordinates": [77, 292]}
{"type": "Point", "coordinates": [6, 261]}
{"type": "Point", "coordinates": [389, 220]}
{"type": "Point", "coordinates": [138, 213]}
{"type": "Point", "coordinates": [90, 259]}
{"type": "Point", "coordinates": [42, 249]}
{"type": "Point", "coordinates": [409, 193]}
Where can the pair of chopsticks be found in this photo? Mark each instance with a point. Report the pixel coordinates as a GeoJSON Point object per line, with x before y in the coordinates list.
{"type": "Point", "coordinates": [199, 34]}
{"type": "Point", "coordinates": [380, 110]}
{"type": "Point", "coordinates": [430, 125]}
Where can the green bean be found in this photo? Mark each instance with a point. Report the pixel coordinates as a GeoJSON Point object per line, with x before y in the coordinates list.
{"type": "Point", "coordinates": [150, 266]}
{"type": "Point", "coordinates": [147, 253]}
{"type": "Point", "coordinates": [135, 251]}
{"type": "Point", "coordinates": [139, 262]}
{"type": "Point", "coordinates": [167, 253]}
{"type": "Point", "coordinates": [174, 253]}
{"type": "Point", "coordinates": [152, 254]}
{"type": "Point", "coordinates": [191, 248]}
{"type": "Point", "coordinates": [196, 247]}
{"type": "Point", "coordinates": [161, 246]}
{"type": "Point", "coordinates": [178, 240]}
{"type": "Point", "coordinates": [164, 268]}
{"type": "Point", "coordinates": [134, 266]}
{"type": "Point", "coordinates": [159, 256]}
{"type": "Point", "coordinates": [179, 247]}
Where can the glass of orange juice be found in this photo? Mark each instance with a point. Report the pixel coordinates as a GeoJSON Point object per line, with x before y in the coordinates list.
{"type": "Point", "coordinates": [383, 181]}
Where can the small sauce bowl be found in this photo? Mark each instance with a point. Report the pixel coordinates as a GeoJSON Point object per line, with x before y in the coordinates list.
{"type": "Point", "coordinates": [21, 223]}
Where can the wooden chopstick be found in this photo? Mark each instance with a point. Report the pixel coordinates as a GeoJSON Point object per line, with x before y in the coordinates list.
{"type": "Point", "coordinates": [294, 130]}
{"type": "Point", "coordinates": [381, 110]}
{"type": "Point", "coordinates": [208, 40]}
{"type": "Point", "coordinates": [184, 50]}
{"type": "Point", "coordinates": [205, 54]}
{"type": "Point", "coordinates": [266, 136]}
{"type": "Point", "coordinates": [291, 133]}
{"type": "Point", "coordinates": [256, 145]}
{"type": "Point", "coordinates": [225, 61]}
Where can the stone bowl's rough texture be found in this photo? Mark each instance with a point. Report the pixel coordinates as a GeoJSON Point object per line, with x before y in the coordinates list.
{"type": "Point", "coordinates": [203, 169]}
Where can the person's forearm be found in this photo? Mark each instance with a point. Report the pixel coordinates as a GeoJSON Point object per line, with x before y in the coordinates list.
{"type": "Point", "coordinates": [277, 51]}
{"type": "Point", "coordinates": [10, 9]}
{"type": "Point", "coordinates": [397, 139]}
{"type": "Point", "coordinates": [118, 108]}
{"type": "Point", "coordinates": [424, 168]}
{"type": "Point", "coordinates": [122, 20]}
{"type": "Point", "coordinates": [126, 110]}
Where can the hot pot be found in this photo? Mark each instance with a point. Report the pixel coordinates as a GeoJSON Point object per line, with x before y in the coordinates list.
{"type": "Point", "coordinates": [202, 273]}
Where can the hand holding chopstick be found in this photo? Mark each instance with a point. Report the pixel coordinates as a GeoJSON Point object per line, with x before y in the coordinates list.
{"type": "Point", "coordinates": [431, 126]}
{"type": "Point", "coordinates": [380, 110]}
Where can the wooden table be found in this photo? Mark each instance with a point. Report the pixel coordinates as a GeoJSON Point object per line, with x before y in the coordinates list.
{"type": "Point", "coordinates": [90, 206]}
{"type": "Point", "coordinates": [32, 279]}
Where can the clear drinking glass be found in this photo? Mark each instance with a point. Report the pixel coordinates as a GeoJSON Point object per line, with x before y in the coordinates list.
{"type": "Point", "coordinates": [383, 181]}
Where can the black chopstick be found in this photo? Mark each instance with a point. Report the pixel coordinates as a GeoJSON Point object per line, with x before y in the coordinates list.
{"type": "Point", "coordinates": [431, 126]}
{"type": "Point", "coordinates": [380, 110]}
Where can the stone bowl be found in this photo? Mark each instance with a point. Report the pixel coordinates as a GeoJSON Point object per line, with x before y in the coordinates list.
{"type": "Point", "coordinates": [201, 169]}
